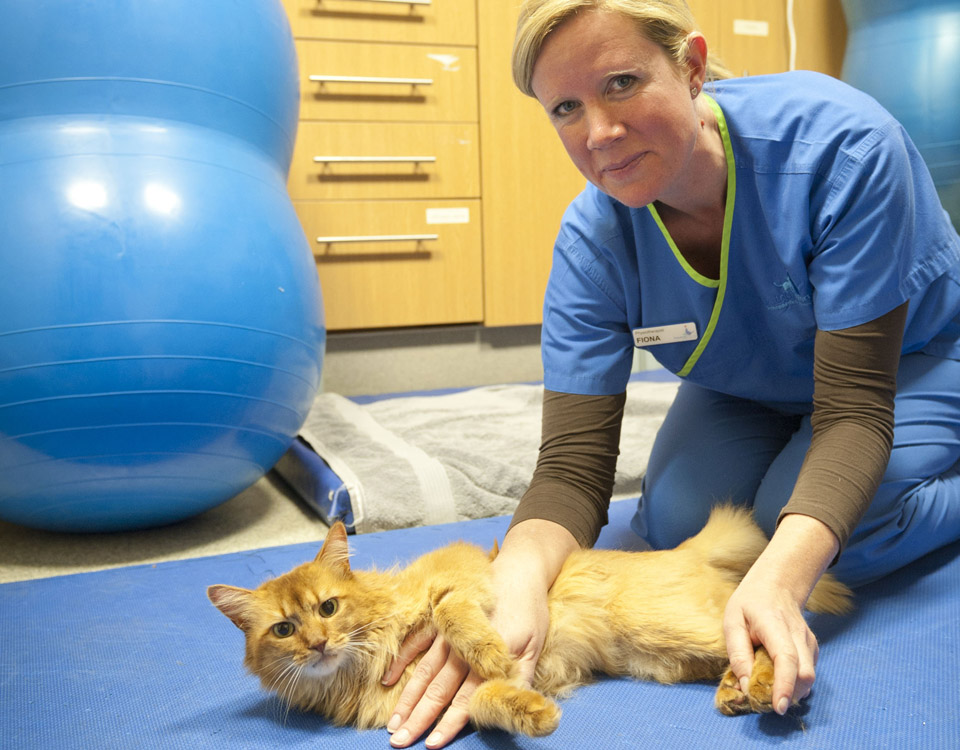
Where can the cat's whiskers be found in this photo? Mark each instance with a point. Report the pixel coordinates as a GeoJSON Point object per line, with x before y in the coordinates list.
{"type": "Point", "coordinates": [277, 671]}
{"type": "Point", "coordinates": [282, 660]}
{"type": "Point", "coordinates": [285, 688]}
{"type": "Point", "coordinates": [279, 675]}
{"type": "Point", "coordinates": [369, 626]}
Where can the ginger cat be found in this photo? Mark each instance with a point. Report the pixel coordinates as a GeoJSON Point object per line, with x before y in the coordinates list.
{"type": "Point", "coordinates": [322, 635]}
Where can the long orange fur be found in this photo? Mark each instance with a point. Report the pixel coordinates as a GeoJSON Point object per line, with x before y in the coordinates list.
{"type": "Point", "coordinates": [649, 615]}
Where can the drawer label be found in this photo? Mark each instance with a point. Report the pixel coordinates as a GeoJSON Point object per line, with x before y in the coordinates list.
{"type": "Point", "coordinates": [746, 27]}
{"type": "Point", "coordinates": [448, 216]}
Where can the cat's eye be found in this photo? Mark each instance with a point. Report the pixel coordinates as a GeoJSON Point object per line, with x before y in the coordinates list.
{"type": "Point", "coordinates": [328, 608]}
{"type": "Point", "coordinates": [283, 629]}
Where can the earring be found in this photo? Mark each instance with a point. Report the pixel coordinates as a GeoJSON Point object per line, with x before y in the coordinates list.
{"type": "Point", "coordinates": [694, 92]}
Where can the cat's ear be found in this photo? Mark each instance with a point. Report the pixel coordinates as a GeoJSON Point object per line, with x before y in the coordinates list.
{"type": "Point", "coordinates": [234, 602]}
{"type": "Point", "coordinates": [335, 553]}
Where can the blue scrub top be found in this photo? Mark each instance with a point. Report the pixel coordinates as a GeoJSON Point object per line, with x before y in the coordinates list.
{"type": "Point", "coordinates": [832, 221]}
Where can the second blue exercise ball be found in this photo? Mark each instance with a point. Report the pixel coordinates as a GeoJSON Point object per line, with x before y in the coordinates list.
{"type": "Point", "coordinates": [905, 53]}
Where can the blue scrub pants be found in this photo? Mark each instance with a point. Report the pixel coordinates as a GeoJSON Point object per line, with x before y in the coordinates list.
{"type": "Point", "coordinates": [714, 448]}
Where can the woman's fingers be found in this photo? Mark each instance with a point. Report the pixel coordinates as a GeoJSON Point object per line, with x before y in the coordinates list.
{"type": "Point", "coordinates": [739, 647]}
{"type": "Point", "coordinates": [434, 684]}
{"type": "Point", "coordinates": [414, 644]}
{"type": "Point", "coordinates": [457, 715]}
{"type": "Point", "coordinates": [794, 669]}
{"type": "Point", "coordinates": [785, 667]}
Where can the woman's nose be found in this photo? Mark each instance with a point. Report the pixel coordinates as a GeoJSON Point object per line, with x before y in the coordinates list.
{"type": "Point", "coordinates": [603, 128]}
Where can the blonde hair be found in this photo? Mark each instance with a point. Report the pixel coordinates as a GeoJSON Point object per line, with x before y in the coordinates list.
{"type": "Point", "coordinates": [667, 23]}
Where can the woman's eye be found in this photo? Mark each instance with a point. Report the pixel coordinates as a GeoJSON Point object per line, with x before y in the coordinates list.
{"type": "Point", "coordinates": [622, 82]}
{"type": "Point", "coordinates": [283, 629]}
{"type": "Point", "coordinates": [328, 608]}
{"type": "Point", "coordinates": [564, 108]}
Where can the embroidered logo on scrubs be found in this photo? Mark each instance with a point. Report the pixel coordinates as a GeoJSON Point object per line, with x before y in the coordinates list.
{"type": "Point", "coordinates": [787, 296]}
{"type": "Point", "coordinates": [665, 334]}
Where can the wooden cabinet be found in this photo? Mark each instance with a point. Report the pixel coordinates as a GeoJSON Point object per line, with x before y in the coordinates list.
{"type": "Point", "coordinates": [396, 263]}
{"type": "Point", "coordinates": [411, 127]}
{"type": "Point", "coordinates": [387, 82]}
{"type": "Point", "coordinates": [385, 174]}
{"type": "Point", "coordinates": [395, 161]}
{"type": "Point", "coordinates": [413, 21]}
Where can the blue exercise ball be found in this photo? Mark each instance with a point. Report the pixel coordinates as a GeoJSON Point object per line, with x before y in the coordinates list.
{"type": "Point", "coordinates": [161, 325]}
{"type": "Point", "coordinates": [905, 53]}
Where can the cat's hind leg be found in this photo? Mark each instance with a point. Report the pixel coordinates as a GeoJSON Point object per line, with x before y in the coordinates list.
{"type": "Point", "coordinates": [760, 687]}
{"type": "Point", "coordinates": [732, 701]}
{"type": "Point", "coordinates": [510, 705]}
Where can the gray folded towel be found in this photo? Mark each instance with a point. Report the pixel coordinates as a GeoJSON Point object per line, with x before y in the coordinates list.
{"type": "Point", "coordinates": [420, 460]}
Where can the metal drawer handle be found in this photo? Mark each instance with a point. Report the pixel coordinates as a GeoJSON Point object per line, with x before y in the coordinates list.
{"type": "Point", "coordinates": [371, 79]}
{"type": "Point", "coordinates": [397, 2]}
{"type": "Point", "coordinates": [373, 159]}
{"type": "Point", "coordinates": [380, 238]}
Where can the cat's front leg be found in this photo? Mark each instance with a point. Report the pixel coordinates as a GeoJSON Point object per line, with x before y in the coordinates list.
{"type": "Point", "coordinates": [466, 627]}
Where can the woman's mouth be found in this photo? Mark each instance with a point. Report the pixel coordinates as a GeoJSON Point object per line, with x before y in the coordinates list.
{"type": "Point", "coordinates": [623, 166]}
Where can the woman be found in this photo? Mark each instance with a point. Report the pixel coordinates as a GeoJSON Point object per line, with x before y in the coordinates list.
{"type": "Point", "coordinates": [778, 243]}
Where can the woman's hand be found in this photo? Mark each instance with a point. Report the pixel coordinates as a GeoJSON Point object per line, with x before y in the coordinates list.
{"type": "Point", "coordinates": [532, 555]}
{"type": "Point", "coordinates": [767, 608]}
{"type": "Point", "coordinates": [441, 679]}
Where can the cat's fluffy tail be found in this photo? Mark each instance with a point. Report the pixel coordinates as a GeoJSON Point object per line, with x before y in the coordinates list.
{"type": "Point", "coordinates": [731, 541]}
{"type": "Point", "coordinates": [830, 597]}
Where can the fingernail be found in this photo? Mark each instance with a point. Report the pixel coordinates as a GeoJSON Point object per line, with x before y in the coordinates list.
{"type": "Point", "coordinates": [394, 724]}
{"type": "Point", "coordinates": [435, 739]}
{"type": "Point", "coordinates": [400, 738]}
{"type": "Point", "coordinates": [782, 706]}
{"type": "Point", "coordinates": [744, 684]}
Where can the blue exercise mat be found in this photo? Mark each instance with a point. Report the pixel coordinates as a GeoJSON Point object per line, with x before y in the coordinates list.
{"type": "Point", "coordinates": [138, 658]}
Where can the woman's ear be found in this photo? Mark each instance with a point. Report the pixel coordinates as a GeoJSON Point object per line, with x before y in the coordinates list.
{"type": "Point", "coordinates": [696, 60]}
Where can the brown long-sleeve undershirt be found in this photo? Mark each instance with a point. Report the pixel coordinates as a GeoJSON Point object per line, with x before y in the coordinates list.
{"type": "Point", "coordinates": [855, 371]}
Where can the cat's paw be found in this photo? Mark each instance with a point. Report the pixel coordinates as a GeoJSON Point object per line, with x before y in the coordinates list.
{"type": "Point", "coordinates": [730, 699]}
{"type": "Point", "coordinates": [507, 704]}
{"type": "Point", "coordinates": [760, 687]}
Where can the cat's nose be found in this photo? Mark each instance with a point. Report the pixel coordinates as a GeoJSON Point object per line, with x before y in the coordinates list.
{"type": "Point", "coordinates": [318, 646]}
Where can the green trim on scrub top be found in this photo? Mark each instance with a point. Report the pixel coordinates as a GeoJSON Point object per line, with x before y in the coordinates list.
{"type": "Point", "coordinates": [721, 283]}
{"type": "Point", "coordinates": [691, 271]}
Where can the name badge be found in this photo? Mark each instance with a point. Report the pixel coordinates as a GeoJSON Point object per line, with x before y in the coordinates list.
{"type": "Point", "coordinates": [665, 334]}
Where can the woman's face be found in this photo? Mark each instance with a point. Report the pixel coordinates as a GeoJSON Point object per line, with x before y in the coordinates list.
{"type": "Point", "coordinates": [623, 110]}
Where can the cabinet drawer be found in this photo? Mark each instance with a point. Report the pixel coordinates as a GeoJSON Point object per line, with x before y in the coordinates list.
{"type": "Point", "coordinates": [359, 160]}
{"type": "Point", "coordinates": [397, 82]}
{"type": "Point", "coordinates": [373, 278]}
{"type": "Point", "coordinates": [439, 21]}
